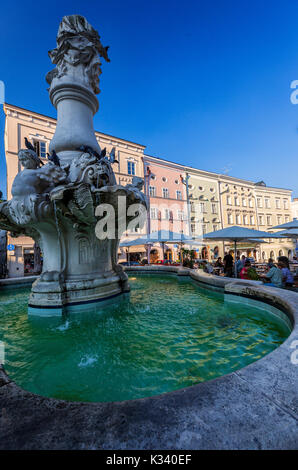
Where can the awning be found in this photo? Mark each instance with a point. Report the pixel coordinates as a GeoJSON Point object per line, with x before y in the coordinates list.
{"type": "Point", "coordinates": [135, 249]}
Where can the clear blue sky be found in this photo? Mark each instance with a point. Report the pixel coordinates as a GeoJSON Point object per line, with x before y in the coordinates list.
{"type": "Point", "coordinates": [204, 83]}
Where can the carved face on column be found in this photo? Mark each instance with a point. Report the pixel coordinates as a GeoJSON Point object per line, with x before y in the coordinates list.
{"type": "Point", "coordinates": [28, 159]}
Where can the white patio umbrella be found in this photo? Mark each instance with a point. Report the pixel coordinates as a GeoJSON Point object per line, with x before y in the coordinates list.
{"type": "Point", "coordinates": [161, 236]}
{"type": "Point", "coordinates": [236, 234]}
{"type": "Point", "coordinates": [288, 225]}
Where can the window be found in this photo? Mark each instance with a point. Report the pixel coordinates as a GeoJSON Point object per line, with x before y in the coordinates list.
{"type": "Point", "coordinates": [153, 177]}
{"type": "Point", "coordinates": [237, 203]}
{"type": "Point", "coordinates": [178, 195]}
{"type": "Point", "coordinates": [285, 204]}
{"type": "Point", "coordinates": [167, 214]}
{"type": "Point", "coordinates": [131, 168]}
{"type": "Point", "coordinates": [176, 181]}
{"type": "Point", "coordinates": [164, 179]}
{"type": "Point", "coordinates": [193, 228]}
{"type": "Point", "coordinates": [202, 207]}
{"type": "Point", "coordinates": [152, 191]}
{"type": "Point", "coordinates": [153, 212]}
{"type": "Point", "coordinates": [165, 192]}
{"type": "Point", "coordinates": [201, 188]}
{"type": "Point", "coordinates": [269, 220]}
{"type": "Point", "coordinates": [245, 220]}
{"type": "Point", "coordinates": [244, 202]}
{"type": "Point", "coordinates": [238, 219]}
{"type": "Point", "coordinates": [267, 203]}
{"type": "Point", "coordinates": [252, 220]}
{"type": "Point", "coordinates": [180, 215]}
{"type": "Point", "coordinates": [279, 219]}
{"type": "Point", "coordinates": [229, 200]}
{"type": "Point", "coordinates": [261, 220]}
{"type": "Point", "coordinates": [214, 208]}
{"type": "Point", "coordinates": [204, 230]}
{"type": "Point", "coordinates": [212, 190]}
{"type": "Point", "coordinates": [277, 203]}
{"type": "Point", "coordinates": [230, 219]}
{"type": "Point", "coordinates": [259, 202]}
{"type": "Point", "coordinates": [214, 228]}
{"type": "Point", "coordinates": [250, 203]}
{"type": "Point", "coordinates": [287, 219]}
{"type": "Point", "coordinates": [192, 207]}
{"type": "Point", "coordinates": [40, 148]}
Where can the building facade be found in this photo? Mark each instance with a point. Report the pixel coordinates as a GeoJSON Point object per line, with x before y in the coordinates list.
{"type": "Point", "coordinates": [295, 208]}
{"type": "Point", "coordinates": [203, 193]}
{"type": "Point", "coordinates": [180, 199]}
{"type": "Point", "coordinates": [259, 207]}
{"type": "Point", "coordinates": [273, 207]}
{"type": "Point", "coordinates": [166, 191]}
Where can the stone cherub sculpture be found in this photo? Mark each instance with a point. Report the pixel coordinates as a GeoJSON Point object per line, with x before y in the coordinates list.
{"type": "Point", "coordinates": [30, 190]}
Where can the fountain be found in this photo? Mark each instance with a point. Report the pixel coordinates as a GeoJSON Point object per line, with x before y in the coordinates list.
{"type": "Point", "coordinates": [64, 203]}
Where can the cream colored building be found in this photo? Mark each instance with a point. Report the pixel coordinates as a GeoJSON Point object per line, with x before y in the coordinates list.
{"type": "Point", "coordinates": [204, 210]}
{"type": "Point", "coordinates": [273, 207]}
{"type": "Point", "coordinates": [295, 208]}
{"type": "Point", "coordinates": [39, 130]}
{"type": "Point", "coordinates": [259, 207]}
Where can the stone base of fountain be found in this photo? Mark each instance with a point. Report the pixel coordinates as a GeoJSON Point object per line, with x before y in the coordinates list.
{"type": "Point", "coordinates": [51, 298]}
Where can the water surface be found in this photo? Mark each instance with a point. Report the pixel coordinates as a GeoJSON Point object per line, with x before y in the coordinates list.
{"type": "Point", "coordinates": [166, 335]}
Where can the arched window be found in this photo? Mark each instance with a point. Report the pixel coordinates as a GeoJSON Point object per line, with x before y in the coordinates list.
{"type": "Point", "coordinates": [280, 253]}
{"type": "Point", "coordinates": [263, 255]}
{"type": "Point", "coordinates": [272, 254]}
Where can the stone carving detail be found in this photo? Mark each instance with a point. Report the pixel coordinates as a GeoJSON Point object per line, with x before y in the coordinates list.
{"type": "Point", "coordinates": [78, 50]}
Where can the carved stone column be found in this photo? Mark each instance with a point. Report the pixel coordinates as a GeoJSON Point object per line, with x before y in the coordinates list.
{"type": "Point", "coordinates": [74, 84]}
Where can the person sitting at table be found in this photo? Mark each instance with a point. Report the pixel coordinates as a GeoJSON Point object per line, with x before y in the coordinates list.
{"type": "Point", "coordinates": [228, 264]}
{"type": "Point", "coordinates": [248, 272]}
{"type": "Point", "coordinates": [219, 263]}
{"type": "Point", "coordinates": [273, 277]}
{"type": "Point", "coordinates": [287, 276]}
{"type": "Point", "coordinates": [207, 267]}
{"type": "Point", "coordinates": [284, 260]}
{"type": "Point", "coordinates": [240, 263]}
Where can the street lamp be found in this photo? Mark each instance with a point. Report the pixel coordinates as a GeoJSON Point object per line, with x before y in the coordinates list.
{"type": "Point", "coordinates": [185, 182]}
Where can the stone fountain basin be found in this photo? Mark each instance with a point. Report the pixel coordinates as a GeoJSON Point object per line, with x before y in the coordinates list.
{"type": "Point", "coordinates": [253, 408]}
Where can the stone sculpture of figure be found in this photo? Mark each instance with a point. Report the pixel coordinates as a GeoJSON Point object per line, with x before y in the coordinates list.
{"type": "Point", "coordinates": [78, 167]}
{"type": "Point", "coordinates": [78, 46]}
{"type": "Point", "coordinates": [30, 189]}
{"type": "Point", "coordinates": [33, 179]}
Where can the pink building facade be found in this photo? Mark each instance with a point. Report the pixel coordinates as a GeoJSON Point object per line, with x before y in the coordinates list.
{"type": "Point", "coordinates": [166, 191]}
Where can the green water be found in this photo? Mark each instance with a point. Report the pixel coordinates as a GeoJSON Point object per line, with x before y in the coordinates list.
{"type": "Point", "coordinates": [167, 335]}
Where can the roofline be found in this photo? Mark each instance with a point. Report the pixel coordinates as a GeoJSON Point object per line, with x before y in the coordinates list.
{"type": "Point", "coordinates": [179, 165]}
{"type": "Point", "coordinates": [209, 174]}
{"type": "Point", "coordinates": [55, 120]}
